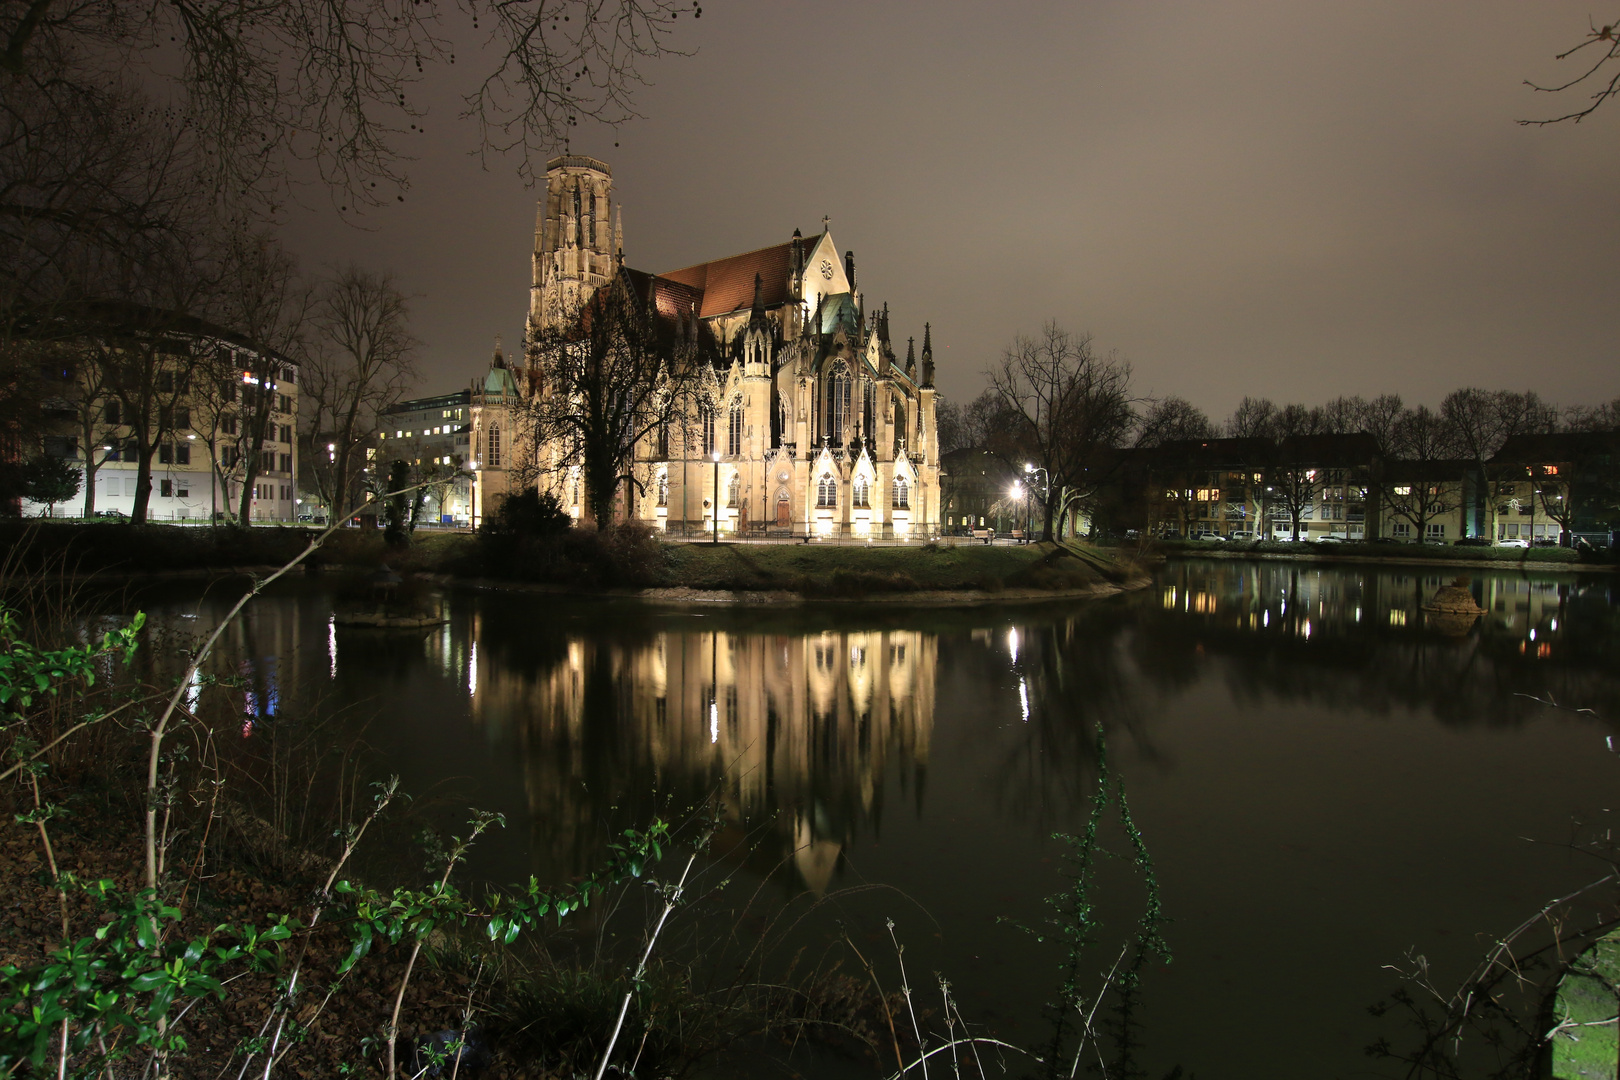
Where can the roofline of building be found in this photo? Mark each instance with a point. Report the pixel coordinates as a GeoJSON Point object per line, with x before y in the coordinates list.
{"type": "Point", "coordinates": [741, 254]}
{"type": "Point", "coordinates": [460, 397]}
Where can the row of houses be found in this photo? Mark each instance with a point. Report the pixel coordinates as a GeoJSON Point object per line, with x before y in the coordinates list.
{"type": "Point", "coordinates": [1544, 488]}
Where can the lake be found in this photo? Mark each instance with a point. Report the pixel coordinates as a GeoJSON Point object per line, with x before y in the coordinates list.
{"type": "Point", "coordinates": [1325, 779]}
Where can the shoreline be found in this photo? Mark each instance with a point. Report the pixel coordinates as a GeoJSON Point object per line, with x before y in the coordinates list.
{"type": "Point", "coordinates": [1504, 565]}
{"type": "Point", "coordinates": [685, 596]}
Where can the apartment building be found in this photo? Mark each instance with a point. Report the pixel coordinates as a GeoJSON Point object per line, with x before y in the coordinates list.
{"type": "Point", "coordinates": [193, 397]}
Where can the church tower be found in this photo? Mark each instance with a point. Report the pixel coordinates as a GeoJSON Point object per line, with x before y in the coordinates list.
{"type": "Point", "coordinates": [578, 239]}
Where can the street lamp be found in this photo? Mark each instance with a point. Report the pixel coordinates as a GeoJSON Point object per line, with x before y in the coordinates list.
{"type": "Point", "coordinates": [1030, 469]}
{"type": "Point", "coordinates": [716, 456]}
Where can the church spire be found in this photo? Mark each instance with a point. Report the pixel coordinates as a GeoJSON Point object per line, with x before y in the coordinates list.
{"type": "Point", "coordinates": [618, 233]}
{"type": "Point", "coordinates": [928, 357]}
{"type": "Point", "coordinates": [911, 357]}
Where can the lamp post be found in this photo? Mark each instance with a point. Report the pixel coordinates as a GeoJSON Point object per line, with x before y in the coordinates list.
{"type": "Point", "coordinates": [716, 456]}
{"type": "Point", "coordinates": [1030, 469]}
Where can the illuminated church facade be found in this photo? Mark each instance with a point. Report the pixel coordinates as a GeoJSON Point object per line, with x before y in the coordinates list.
{"type": "Point", "coordinates": [807, 420]}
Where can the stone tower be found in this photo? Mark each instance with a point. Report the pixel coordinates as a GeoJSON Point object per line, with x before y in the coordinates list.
{"type": "Point", "coordinates": [578, 239]}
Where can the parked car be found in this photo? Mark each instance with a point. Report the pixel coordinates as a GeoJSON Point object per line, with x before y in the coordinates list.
{"type": "Point", "coordinates": [1330, 539]}
{"type": "Point", "coordinates": [117, 515]}
{"type": "Point", "coordinates": [1208, 535]}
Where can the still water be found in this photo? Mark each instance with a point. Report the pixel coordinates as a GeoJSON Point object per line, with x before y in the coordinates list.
{"type": "Point", "coordinates": [1324, 779]}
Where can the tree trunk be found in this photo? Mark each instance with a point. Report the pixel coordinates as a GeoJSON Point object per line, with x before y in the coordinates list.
{"type": "Point", "coordinates": [143, 485]}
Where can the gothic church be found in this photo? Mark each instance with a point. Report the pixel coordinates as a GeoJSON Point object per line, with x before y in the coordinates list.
{"type": "Point", "coordinates": [818, 427]}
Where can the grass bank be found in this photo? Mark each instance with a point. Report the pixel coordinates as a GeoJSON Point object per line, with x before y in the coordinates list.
{"type": "Point", "coordinates": [616, 560]}
{"type": "Point", "coordinates": [844, 572]}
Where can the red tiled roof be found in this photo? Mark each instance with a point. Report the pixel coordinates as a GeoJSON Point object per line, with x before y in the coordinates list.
{"type": "Point", "coordinates": [727, 284]}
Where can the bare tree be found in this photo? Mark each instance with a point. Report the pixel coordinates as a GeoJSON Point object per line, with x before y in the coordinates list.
{"type": "Point", "coordinates": [1292, 479]}
{"type": "Point", "coordinates": [98, 197]}
{"type": "Point", "coordinates": [1253, 419]}
{"type": "Point", "coordinates": [263, 83]}
{"type": "Point", "coordinates": [1171, 419]}
{"type": "Point", "coordinates": [149, 361]}
{"type": "Point", "coordinates": [87, 396]}
{"type": "Point", "coordinates": [261, 300]}
{"type": "Point", "coordinates": [1600, 72]}
{"type": "Point", "coordinates": [1423, 481]}
{"type": "Point", "coordinates": [1604, 417]}
{"type": "Point", "coordinates": [607, 379]}
{"type": "Point", "coordinates": [1066, 410]}
{"type": "Point", "coordinates": [1479, 422]}
{"type": "Point", "coordinates": [360, 362]}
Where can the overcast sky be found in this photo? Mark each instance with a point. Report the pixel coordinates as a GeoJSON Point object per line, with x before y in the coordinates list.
{"type": "Point", "coordinates": [1283, 199]}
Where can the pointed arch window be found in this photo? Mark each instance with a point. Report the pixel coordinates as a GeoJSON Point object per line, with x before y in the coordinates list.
{"type": "Point", "coordinates": [663, 489]}
{"type": "Point", "coordinates": [734, 433]}
{"type": "Point", "coordinates": [868, 409]}
{"type": "Point", "coordinates": [780, 415]}
{"type": "Point", "coordinates": [837, 406]}
{"type": "Point", "coordinates": [902, 494]}
{"type": "Point", "coordinates": [734, 489]}
{"type": "Point", "coordinates": [493, 458]}
{"type": "Point", "coordinates": [706, 421]}
{"type": "Point", "coordinates": [827, 491]}
{"type": "Point", "coordinates": [861, 495]}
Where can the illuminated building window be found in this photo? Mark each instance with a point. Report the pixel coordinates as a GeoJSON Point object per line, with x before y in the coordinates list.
{"type": "Point", "coordinates": [663, 489]}
{"type": "Point", "coordinates": [837, 407]}
{"type": "Point", "coordinates": [734, 434]}
{"type": "Point", "coordinates": [826, 491]}
{"type": "Point", "coordinates": [734, 490]}
{"type": "Point", "coordinates": [494, 458]}
{"type": "Point", "coordinates": [861, 494]}
{"type": "Point", "coordinates": [902, 494]}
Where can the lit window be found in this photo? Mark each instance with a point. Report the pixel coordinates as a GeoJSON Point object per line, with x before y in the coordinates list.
{"type": "Point", "coordinates": [902, 494]}
{"type": "Point", "coordinates": [826, 491]}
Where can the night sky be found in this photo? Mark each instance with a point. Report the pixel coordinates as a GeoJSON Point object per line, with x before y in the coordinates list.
{"type": "Point", "coordinates": [1281, 199]}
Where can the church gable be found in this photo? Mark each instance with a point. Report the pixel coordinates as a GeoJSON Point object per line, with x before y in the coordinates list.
{"type": "Point", "coordinates": [823, 270]}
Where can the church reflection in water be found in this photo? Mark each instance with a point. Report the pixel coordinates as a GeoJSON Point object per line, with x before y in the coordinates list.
{"type": "Point", "coordinates": [796, 735]}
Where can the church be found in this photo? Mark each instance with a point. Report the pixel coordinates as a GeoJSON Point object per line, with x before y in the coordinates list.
{"type": "Point", "coordinates": [806, 420]}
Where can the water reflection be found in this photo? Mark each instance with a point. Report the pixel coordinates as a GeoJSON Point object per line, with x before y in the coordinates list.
{"type": "Point", "coordinates": [803, 731]}
{"type": "Point", "coordinates": [1310, 634]}
{"type": "Point", "coordinates": [793, 731]}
